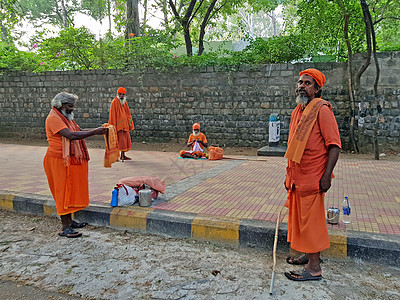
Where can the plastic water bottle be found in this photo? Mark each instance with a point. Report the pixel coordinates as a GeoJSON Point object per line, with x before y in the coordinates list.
{"type": "Point", "coordinates": [346, 211]}
{"type": "Point", "coordinates": [114, 197]}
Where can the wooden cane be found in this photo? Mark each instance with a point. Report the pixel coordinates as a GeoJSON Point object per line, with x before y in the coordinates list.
{"type": "Point", "coordinates": [123, 144]}
{"type": "Point", "coordinates": [271, 288]}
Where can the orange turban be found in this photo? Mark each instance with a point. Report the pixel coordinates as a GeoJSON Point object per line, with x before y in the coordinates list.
{"type": "Point", "coordinates": [318, 76]}
{"type": "Point", "coordinates": [121, 90]}
{"type": "Point", "coordinates": [196, 126]}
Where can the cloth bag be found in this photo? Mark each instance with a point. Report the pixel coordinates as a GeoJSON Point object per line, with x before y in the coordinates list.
{"type": "Point", "coordinates": [215, 153]}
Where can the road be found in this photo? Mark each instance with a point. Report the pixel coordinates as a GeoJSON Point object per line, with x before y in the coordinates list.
{"type": "Point", "coordinates": [109, 264]}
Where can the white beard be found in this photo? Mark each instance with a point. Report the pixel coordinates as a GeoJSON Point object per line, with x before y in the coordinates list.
{"type": "Point", "coordinates": [69, 116]}
{"type": "Point", "coordinates": [122, 101]}
{"type": "Point", "coordinates": [303, 100]}
{"type": "Point", "coordinates": [196, 133]}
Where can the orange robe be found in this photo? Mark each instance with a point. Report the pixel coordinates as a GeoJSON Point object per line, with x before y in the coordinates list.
{"type": "Point", "coordinates": [200, 137]}
{"type": "Point", "coordinates": [307, 230]}
{"type": "Point", "coordinates": [120, 116]}
{"type": "Point", "coordinates": [67, 172]}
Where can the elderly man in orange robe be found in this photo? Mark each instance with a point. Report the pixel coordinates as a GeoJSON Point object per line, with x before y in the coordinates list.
{"type": "Point", "coordinates": [120, 116]}
{"type": "Point", "coordinates": [313, 150]}
{"type": "Point", "coordinates": [197, 142]}
{"type": "Point", "coordinates": [66, 162]}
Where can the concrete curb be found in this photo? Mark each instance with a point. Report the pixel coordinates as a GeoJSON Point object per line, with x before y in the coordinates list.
{"type": "Point", "coordinates": [243, 233]}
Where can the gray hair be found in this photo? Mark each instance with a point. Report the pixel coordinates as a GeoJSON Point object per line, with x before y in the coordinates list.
{"type": "Point", "coordinates": [62, 98]}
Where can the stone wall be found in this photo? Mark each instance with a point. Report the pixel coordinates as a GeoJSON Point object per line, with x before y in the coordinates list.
{"type": "Point", "coordinates": [232, 107]}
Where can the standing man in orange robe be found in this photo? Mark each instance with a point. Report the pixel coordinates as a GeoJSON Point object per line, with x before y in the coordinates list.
{"type": "Point", "coordinates": [66, 162]}
{"type": "Point", "coordinates": [313, 150]}
{"type": "Point", "coordinates": [120, 116]}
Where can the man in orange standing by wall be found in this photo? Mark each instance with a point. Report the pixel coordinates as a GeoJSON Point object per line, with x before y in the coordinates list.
{"type": "Point", "coordinates": [313, 150]}
{"type": "Point", "coordinates": [120, 116]}
{"type": "Point", "coordinates": [66, 162]}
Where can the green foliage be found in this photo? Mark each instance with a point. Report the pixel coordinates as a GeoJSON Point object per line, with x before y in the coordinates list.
{"type": "Point", "coordinates": [279, 49]}
{"type": "Point", "coordinates": [11, 59]}
{"type": "Point", "coordinates": [48, 11]}
{"type": "Point", "coordinates": [73, 49]}
{"type": "Point", "coordinates": [322, 24]}
{"type": "Point", "coordinates": [387, 24]}
{"type": "Point", "coordinates": [77, 48]}
{"type": "Point", "coordinates": [96, 8]}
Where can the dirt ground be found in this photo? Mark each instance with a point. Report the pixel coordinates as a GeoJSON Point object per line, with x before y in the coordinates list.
{"type": "Point", "coordinates": [95, 142]}
{"type": "Point", "coordinates": [110, 264]}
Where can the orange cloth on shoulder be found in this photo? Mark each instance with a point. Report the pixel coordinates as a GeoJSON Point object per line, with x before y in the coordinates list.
{"type": "Point", "coordinates": [301, 129]}
{"type": "Point", "coordinates": [111, 139]}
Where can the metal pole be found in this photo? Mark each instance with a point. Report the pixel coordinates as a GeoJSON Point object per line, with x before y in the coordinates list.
{"type": "Point", "coordinates": [271, 288]}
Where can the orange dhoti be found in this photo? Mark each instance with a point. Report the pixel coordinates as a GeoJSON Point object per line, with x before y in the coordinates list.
{"type": "Point", "coordinates": [68, 184]}
{"type": "Point", "coordinates": [198, 153]}
{"type": "Point", "coordinates": [124, 141]}
{"type": "Point", "coordinates": [307, 230]}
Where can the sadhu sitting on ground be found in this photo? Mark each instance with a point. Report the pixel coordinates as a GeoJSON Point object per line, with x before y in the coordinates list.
{"type": "Point", "coordinates": [197, 141]}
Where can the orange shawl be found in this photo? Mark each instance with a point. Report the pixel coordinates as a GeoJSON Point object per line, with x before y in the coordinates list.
{"type": "Point", "coordinates": [297, 142]}
{"type": "Point", "coordinates": [111, 140]}
{"type": "Point", "coordinates": [120, 116]}
{"type": "Point", "coordinates": [74, 151]}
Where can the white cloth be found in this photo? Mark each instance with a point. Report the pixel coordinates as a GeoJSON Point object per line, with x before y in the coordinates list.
{"type": "Point", "coordinates": [196, 147]}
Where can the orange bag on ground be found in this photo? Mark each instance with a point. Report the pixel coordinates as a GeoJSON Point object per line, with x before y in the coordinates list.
{"type": "Point", "coordinates": [215, 153]}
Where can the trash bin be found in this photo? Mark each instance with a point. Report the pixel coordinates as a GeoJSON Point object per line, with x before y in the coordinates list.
{"type": "Point", "coordinates": [274, 130]}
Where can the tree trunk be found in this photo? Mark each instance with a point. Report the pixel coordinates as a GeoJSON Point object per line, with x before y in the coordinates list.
{"type": "Point", "coordinates": [377, 74]}
{"type": "Point", "coordinates": [185, 22]}
{"type": "Point", "coordinates": [350, 79]}
{"type": "Point", "coordinates": [203, 26]}
{"type": "Point", "coordinates": [144, 13]}
{"type": "Point", "coordinates": [64, 15]}
{"type": "Point", "coordinates": [4, 33]}
{"type": "Point", "coordinates": [109, 16]}
{"type": "Point", "coordinates": [132, 18]}
{"type": "Point", "coordinates": [188, 41]}
{"type": "Point", "coordinates": [273, 19]}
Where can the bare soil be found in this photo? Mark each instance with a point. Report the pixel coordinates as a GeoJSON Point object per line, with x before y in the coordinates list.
{"type": "Point", "coordinates": [110, 264]}
{"type": "Point", "coordinates": [95, 142]}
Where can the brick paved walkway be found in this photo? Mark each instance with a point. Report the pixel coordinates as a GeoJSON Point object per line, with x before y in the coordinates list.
{"type": "Point", "coordinates": [241, 188]}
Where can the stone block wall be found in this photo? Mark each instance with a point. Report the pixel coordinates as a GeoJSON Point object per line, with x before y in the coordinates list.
{"type": "Point", "coordinates": [233, 107]}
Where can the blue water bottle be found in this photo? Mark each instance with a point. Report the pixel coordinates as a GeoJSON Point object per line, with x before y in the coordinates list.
{"type": "Point", "coordinates": [346, 211]}
{"type": "Point", "coordinates": [114, 197]}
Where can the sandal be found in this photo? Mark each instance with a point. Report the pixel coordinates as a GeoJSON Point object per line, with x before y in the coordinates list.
{"type": "Point", "coordinates": [78, 225]}
{"type": "Point", "coordinates": [299, 260]}
{"type": "Point", "coordinates": [305, 276]}
{"type": "Point", "coordinates": [70, 233]}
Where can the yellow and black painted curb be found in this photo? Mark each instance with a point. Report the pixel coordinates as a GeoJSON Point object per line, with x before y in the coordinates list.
{"type": "Point", "coordinates": [238, 232]}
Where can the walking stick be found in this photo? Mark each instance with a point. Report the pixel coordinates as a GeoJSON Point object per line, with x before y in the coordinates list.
{"type": "Point", "coordinates": [271, 288]}
{"type": "Point", "coordinates": [122, 152]}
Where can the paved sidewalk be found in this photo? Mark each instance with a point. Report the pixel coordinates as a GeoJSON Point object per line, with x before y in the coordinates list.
{"type": "Point", "coordinates": [220, 200]}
